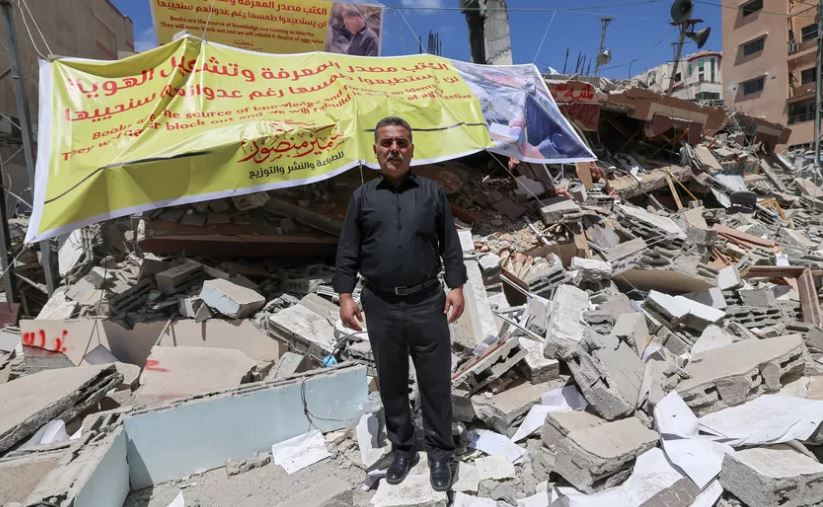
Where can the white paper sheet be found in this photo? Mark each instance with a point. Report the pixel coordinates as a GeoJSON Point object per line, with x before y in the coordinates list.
{"type": "Point", "coordinates": [563, 399]}
{"type": "Point", "coordinates": [699, 457]}
{"type": "Point", "coordinates": [494, 443]}
{"type": "Point", "coordinates": [536, 500]}
{"type": "Point", "coordinates": [52, 432]}
{"type": "Point", "coordinates": [178, 501]}
{"type": "Point", "coordinates": [652, 474]}
{"type": "Point", "coordinates": [301, 451]}
{"type": "Point", "coordinates": [769, 419]}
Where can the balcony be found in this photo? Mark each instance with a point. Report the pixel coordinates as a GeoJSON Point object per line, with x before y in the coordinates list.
{"type": "Point", "coordinates": [797, 49]}
{"type": "Point", "coordinates": [803, 90]}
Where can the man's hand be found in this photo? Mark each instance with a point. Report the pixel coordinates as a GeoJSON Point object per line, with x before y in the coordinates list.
{"type": "Point", "coordinates": [455, 303]}
{"type": "Point", "coordinates": [350, 312]}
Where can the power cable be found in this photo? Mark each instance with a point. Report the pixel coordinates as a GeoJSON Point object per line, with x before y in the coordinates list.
{"type": "Point", "coordinates": [543, 40]}
{"type": "Point", "coordinates": [526, 9]}
{"type": "Point", "coordinates": [28, 31]}
{"type": "Point", "coordinates": [33, 20]}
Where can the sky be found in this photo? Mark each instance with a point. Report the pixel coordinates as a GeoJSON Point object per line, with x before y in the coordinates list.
{"type": "Point", "coordinates": [639, 36]}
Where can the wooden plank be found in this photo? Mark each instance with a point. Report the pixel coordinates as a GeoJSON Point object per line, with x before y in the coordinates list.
{"type": "Point", "coordinates": [674, 193]}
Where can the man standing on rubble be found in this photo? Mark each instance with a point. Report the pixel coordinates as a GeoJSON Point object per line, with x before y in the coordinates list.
{"type": "Point", "coordinates": [397, 229]}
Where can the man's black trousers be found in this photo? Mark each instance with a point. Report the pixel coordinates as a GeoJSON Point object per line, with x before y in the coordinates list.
{"type": "Point", "coordinates": [413, 325]}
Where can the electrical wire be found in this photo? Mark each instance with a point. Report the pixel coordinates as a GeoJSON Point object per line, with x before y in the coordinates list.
{"type": "Point", "coordinates": [526, 9]}
{"type": "Point", "coordinates": [543, 40]}
{"type": "Point", "coordinates": [33, 20]}
{"type": "Point", "coordinates": [208, 20]}
{"type": "Point", "coordinates": [28, 31]}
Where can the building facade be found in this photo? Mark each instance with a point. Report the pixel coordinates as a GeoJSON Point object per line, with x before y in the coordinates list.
{"type": "Point", "coordinates": [698, 79]}
{"type": "Point", "coordinates": [770, 48]}
{"type": "Point", "coordinates": [81, 28]}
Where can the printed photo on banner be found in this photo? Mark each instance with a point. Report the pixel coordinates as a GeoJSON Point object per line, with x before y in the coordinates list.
{"type": "Point", "coordinates": [355, 29]}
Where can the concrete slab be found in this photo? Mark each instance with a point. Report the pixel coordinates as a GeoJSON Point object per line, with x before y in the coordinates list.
{"type": "Point", "coordinates": [173, 373]}
{"type": "Point", "coordinates": [304, 331]}
{"type": "Point", "coordinates": [230, 299]}
{"type": "Point", "coordinates": [731, 375]}
{"type": "Point", "coordinates": [478, 321]}
{"type": "Point", "coordinates": [29, 402]}
{"type": "Point", "coordinates": [538, 368]}
{"type": "Point", "coordinates": [504, 410]}
{"type": "Point", "coordinates": [565, 325]}
{"type": "Point", "coordinates": [20, 475]}
{"type": "Point", "coordinates": [766, 477]}
{"type": "Point", "coordinates": [679, 309]}
{"type": "Point", "coordinates": [592, 453]}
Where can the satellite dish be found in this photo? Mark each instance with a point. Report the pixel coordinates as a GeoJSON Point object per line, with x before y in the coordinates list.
{"type": "Point", "coordinates": [700, 37]}
{"type": "Point", "coordinates": [604, 57]}
{"type": "Point", "coordinates": [681, 10]}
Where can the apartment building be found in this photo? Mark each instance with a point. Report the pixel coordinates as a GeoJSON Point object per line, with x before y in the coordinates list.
{"type": "Point", "coordinates": [769, 66]}
{"type": "Point", "coordinates": [698, 79]}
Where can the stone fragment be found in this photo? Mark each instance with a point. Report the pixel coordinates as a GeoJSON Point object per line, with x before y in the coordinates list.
{"type": "Point", "coordinates": [711, 297]}
{"type": "Point", "coordinates": [727, 376]}
{"type": "Point", "coordinates": [592, 453]}
{"type": "Point", "coordinates": [478, 321]}
{"type": "Point", "coordinates": [565, 325]}
{"type": "Point", "coordinates": [539, 309]}
{"type": "Point", "coordinates": [288, 364]}
{"type": "Point", "coordinates": [632, 328]}
{"type": "Point", "coordinates": [679, 309]}
{"type": "Point", "coordinates": [773, 476]}
{"type": "Point", "coordinates": [758, 297]}
{"type": "Point", "coordinates": [503, 410]}
{"type": "Point", "coordinates": [729, 278]}
{"type": "Point", "coordinates": [176, 279]}
{"type": "Point", "coordinates": [235, 467]}
{"type": "Point", "coordinates": [609, 373]}
{"type": "Point", "coordinates": [591, 270]}
{"type": "Point", "coordinates": [194, 308]}
{"type": "Point", "coordinates": [480, 371]}
{"type": "Point", "coordinates": [231, 299]}
{"type": "Point", "coordinates": [537, 367]}
{"type": "Point", "coordinates": [495, 467]}
{"type": "Point", "coordinates": [58, 307]}
{"type": "Point", "coordinates": [557, 207]}
{"type": "Point", "coordinates": [713, 337]}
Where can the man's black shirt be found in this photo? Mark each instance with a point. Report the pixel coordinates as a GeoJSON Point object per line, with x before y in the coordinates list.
{"type": "Point", "coordinates": [397, 236]}
{"type": "Point", "coordinates": [364, 43]}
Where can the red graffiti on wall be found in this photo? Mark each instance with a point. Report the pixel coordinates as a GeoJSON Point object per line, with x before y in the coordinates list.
{"type": "Point", "coordinates": [154, 365]}
{"type": "Point", "coordinates": [39, 340]}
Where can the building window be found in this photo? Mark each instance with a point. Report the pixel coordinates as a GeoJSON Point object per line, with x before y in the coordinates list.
{"type": "Point", "coordinates": [754, 46]}
{"type": "Point", "coordinates": [677, 77]}
{"type": "Point", "coordinates": [801, 111]}
{"type": "Point", "coordinates": [707, 96]}
{"type": "Point", "coordinates": [754, 86]}
{"type": "Point", "coordinates": [808, 32]}
{"type": "Point", "coordinates": [712, 65]}
{"type": "Point", "coordinates": [690, 70]}
{"type": "Point", "coordinates": [807, 75]}
{"type": "Point", "coordinates": [752, 7]}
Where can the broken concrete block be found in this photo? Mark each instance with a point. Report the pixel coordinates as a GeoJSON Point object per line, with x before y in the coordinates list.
{"type": "Point", "coordinates": [608, 371]}
{"type": "Point", "coordinates": [758, 297]}
{"type": "Point", "coordinates": [537, 367]}
{"type": "Point", "coordinates": [592, 453]}
{"type": "Point", "coordinates": [250, 201]}
{"type": "Point", "coordinates": [173, 373]}
{"type": "Point", "coordinates": [502, 411]}
{"type": "Point", "coordinates": [731, 375]}
{"type": "Point", "coordinates": [194, 308]}
{"type": "Point", "coordinates": [712, 297]}
{"type": "Point", "coordinates": [231, 299]}
{"type": "Point", "coordinates": [176, 279]}
{"type": "Point", "coordinates": [495, 467]}
{"type": "Point", "coordinates": [490, 265]}
{"type": "Point", "coordinates": [478, 372]}
{"type": "Point", "coordinates": [131, 298]}
{"type": "Point", "coordinates": [79, 289]}
{"type": "Point", "coordinates": [29, 402]}
{"type": "Point", "coordinates": [713, 337]}
{"type": "Point", "coordinates": [58, 307]}
{"type": "Point", "coordinates": [767, 477]}
{"type": "Point", "coordinates": [305, 331]}
{"type": "Point", "coordinates": [539, 309]}
{"type": "Point", "coordinates": [679, 309]}
{"type": "Point", "coordinates": [477, 322]}
{"type": "Point", "coordinates": [235, 467]}
{"type": "Point", "coordinates": [557, 207]}
{"type": "Point", "coordinates": [565, 326]}
{"type": "Point", "coordinates": [729, 278]}
{"type": "Point", "coordinates": [288, 364]}
{"type": "Point", "coordinates": [591, 270]}
{"type": "Point", "coordinates": [632, 328]}
{"type": "Point", "coordinates": [527, 188]}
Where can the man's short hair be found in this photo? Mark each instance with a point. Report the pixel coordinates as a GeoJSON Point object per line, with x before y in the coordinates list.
{"type": "Point", "coordinates": [352, 11]}
{"type": "Point", "coordinates": [395, 121]}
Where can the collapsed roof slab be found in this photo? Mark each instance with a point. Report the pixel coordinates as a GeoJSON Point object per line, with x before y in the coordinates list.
{"type": "Point", "coordinates": [202, 433]}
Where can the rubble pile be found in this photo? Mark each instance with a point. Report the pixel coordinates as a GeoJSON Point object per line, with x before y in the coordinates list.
{"type": "Point", "coordinates": [644, 330]}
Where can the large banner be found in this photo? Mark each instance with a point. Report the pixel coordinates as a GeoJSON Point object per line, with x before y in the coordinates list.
{"type": "Point", "coordinates": [279, 26]}
{"type": "Point", "coordinates": [192, 121]}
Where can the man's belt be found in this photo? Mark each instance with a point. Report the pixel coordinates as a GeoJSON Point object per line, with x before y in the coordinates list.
{"type": "Point", "coordinates": [402, 290]}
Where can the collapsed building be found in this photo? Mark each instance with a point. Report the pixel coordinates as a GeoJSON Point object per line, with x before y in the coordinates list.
{"type": "Point", "coordinates": [643, 330]}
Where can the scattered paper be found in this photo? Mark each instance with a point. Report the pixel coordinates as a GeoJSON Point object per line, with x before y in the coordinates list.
{"type": "Point", "coordinates": [52, 432]}
{"type": "Point", "coordinates": [372, 478]}
{"type": "Point", "coordinates": [540, 499]}
{"type": "Point", "coordinates": [652, 474]}
{"type": "Point", "coordinates": [464, 500]}
{"type": "Point", "coordinates": [699, 457]}
{"type": "Point", "coordinates": [178, 501]}
{"type": "Point", "coordinates": [782, 259]}
{"type": "Point", "coordinates": [564, 399]}
{"type": "Point", "coordinates": [494, 443]}
{"type": "Point", "coordinates": [769, 419]}
{"type": "Point", "coordinates": [301, 451]}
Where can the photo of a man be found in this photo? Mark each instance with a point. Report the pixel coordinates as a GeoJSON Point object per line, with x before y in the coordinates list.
{"type": "Point", "coordinates": [354, 29]}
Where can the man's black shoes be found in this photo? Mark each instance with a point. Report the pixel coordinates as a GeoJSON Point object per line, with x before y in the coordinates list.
{"type": "Point", "coordinates": [440, 471]}
{"type": "Point", "coordinates": [401, 465]}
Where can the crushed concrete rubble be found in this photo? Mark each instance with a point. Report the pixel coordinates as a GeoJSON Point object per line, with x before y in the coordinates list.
{"type": "Point", "coordinates": [685, 261]}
